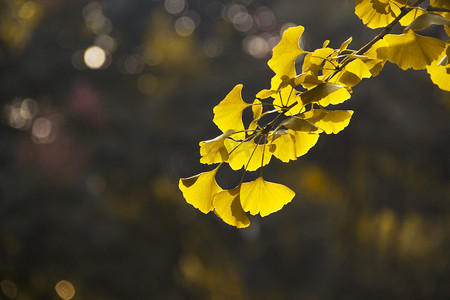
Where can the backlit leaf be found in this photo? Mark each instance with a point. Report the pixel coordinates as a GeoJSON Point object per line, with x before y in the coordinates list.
{"type": "Point", "coordinates": [440, 72]}
{"type": "Point", "coordinates": [227, 206]}
{"type": "Point", "coordinates": [286, 97]}
{"type": "Point", "coordinates": [377, 13]}
{"type": "Point", "coordinates": [257, 109]}
{"type": "Point", "coordinates": [376, 57]}
{"type": "Point", "coordinates": [214, 151]}
{"type": "Point", "coordinates": [286, 52]}
{"type": "Point", "coordinates": [313, 61]}
{"type": "Point", "coordinates": [327, 93]}
{"type": "Point", "coordinates": [292, 144]}
{"type": "Point", "coordinates": [299, 124]}
{"type": "Point", "coordinates": [426, 20]}
{"type": "Point", "coordinates": [352, 73]}
{"type": "Point", "coordinates": [228, 113]}
{"type": "Point", "coordinates": [263, 197]}
{"type": "Point", "coordinates": [411, 50]}
{"type": "Point", "coordinates": [200, 189]}
{"type": "Point", "coordinates": [248, 153]}
{"type": "Point", "coordinates": [330, 121]}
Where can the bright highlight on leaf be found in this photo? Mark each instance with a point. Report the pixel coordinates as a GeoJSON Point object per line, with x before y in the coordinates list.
{"type": "Point", "coordinates": [228, 113]}
{"type": "Point", "coordinates": [263, 197]}
{"type": "Point", "coordinates": [214, 151]}
{"type": "Point", "coordinates": [286, 52]}
{"type": "Point", "coordinates": [411, 50]}
{"type": "Point", "coordinates": [200, 189]}
{"type": "Point", "coordinates": [227, 206]}
{"type": "Point", "coordinates": [288, 117]}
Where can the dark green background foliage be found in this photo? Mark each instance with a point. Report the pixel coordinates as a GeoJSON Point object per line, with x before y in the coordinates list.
{"type": "Point", "coordinates": [95, 200]}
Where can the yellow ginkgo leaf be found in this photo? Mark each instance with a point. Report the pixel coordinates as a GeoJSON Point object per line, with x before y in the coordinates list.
{"type": "Point", "coordinates": [263, 197]}
{"type": "Point", "coordinates": [227, 206]}
{"type": "Point", "coordinates": [200, 189]}
{"type": "Point", "coordinates": [376, 57]}
{"type": "Point", "coordinates": [330, 121]}
{"type": "Point", "coordinates": [377, 13]}
{"type": "Point", "coordinates": [411, 16]}
{"type": "Point", "coordinates": [292, 144]}
{"type": "Point", "coordinates": [325, 93]}
{"type": "Point", "coordinates": [440, 72]}
{"type": "Point", "coordinates": [345, 44]}
{"type": "Point", "coordinates": [264, 94]}
{"type": "Point", "coordinates": [247, 154]}
{"type": "Point", "coordinates": [214, 151]}
{"type": "Point", "coordinates": [257, 109]}
{"type": "Point", "coordinates": [313, 61]}
{"type": "Point", "coordinates": [228, 113]}
{"type": "Point", "coordinates": [411, 50]}
{"type": "Point", "coordinates": [426, 20]}
{"type": "Point", "coordinates": [352, 73]}
{"type": "Point", "coordinates": [286, 52]}
{"type": "Point", "coordinates": [286, 97]}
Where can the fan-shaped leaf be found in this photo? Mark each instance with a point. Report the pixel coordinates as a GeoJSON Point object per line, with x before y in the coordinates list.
{"type": "Point", "coordinates": [248, 153]}
{"type": "Point", "coordinates": [326, 93]}
{"type": "Point", "coordinates": [440, 72]}
{"type": "Point", "coordinates": [286, 52]}
{"type": "Point", "coordinates": [330, 121]}
{"type": "Point", "coordinates": [228, 113]}
{"type": "Point", "coordinates": [292, 144]}
{"type": "Point", "coordinates": [200, 189]}
{"type": "Point", "coordinates": [227, 206]}
{"type": "Point", "coordinates": [426, 20]}
{"type": "Point", "coordinates": [299, 124]}
{"type": "Point", "coordinates": [214, 151]}
{"type": "Point", "coordinates": [411, 50]}
{"type": "Point", "coordinates": [377, 13]}
{"type": "Point", "coordinates": [352, 73]}
{"type": "Point", "coordinates": [263, 197]}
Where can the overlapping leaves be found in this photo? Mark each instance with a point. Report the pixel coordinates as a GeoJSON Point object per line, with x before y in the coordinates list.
{"type": "Point", "coordinates": [288, 118]}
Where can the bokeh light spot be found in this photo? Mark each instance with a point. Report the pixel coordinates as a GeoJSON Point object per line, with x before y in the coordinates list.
{"type": "Point", "coordinates": [65, 289]}
{"type": "Point", "coordinates": [94, 57]}
{"type": "Point", "coordinates": [212, 47]}
{"type": "Point", "coordinates": [44, 131]}
{"type": "Point", "coordinates": [9, 289]}
{"type": "Point", "coordinates": [243, 22]}
{"type": "Point", "coordinates": [256, 46]}
{"type": "Point", "coordinates": [174, 6]}
{"type": "Point", "coordinates": [27, 10]}
{"type": "Point", "coordinates": [184, 26]}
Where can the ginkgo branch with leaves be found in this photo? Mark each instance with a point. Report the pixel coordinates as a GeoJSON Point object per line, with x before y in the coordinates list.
{"type": "Point", "coordinates": [289, 117]}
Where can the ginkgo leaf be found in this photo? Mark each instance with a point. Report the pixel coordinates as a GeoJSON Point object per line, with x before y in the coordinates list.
{"type": "Point", "coordinates": [426, 20]}
{"type": "Point", "coordinates": [440, 72]}
{"type": "Point", "coordinates": [330, 121]}
{"type": "Point", "coordinates": [376, 57]}
{"type": "Point", "coordinates": [200, 189]}
{"type": "Point", "coordinates": [257, 109]}
{"type": "Point", "coordinates": [264, 197]}
{"type": "Point", "coordinates": [286, 52]}
{"type": "Point", "coordinates": [290, 144]}
{"type": "Point", "coordinates": [411, 50]}
{"type": "Point", "coordinates": [307, 80]}
{"type": "Point", "coordinates": [264, 94]}
{"type": "Point", "coordinates": [313, 61]}
{"type": "Point", "coordinates": [247, 154]}
{"type": "Point", "coordinates": [228, 113]}
{"type": "Point", "coordinates": [227, 206]}
{"type": "Point", "coordinates": [345, 44]}
{"type": "Point", "coordinates": [377, 13]}
{"type": "Point", "coordinates": [286, 97]}
{"type": "Point", "coordinates": [440, 3]}
{"type": "Point", "coordinates": [352, 73]}
{"type": "Point", "coordinates": [299, 124]}
{"type": "Point", "coordinates": [214, 151]}
{"type": "Point", "coordinates": [411, 16]}
{"type": "Point", "coordinates": [326, 93]}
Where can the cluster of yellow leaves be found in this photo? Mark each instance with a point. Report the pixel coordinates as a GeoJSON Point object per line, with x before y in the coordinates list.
{"type": "Point", "coordinates": [289, 116]}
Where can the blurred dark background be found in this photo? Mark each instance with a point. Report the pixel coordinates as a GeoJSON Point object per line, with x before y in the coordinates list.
{"type": "Point", "coordinates": [103, 104]}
